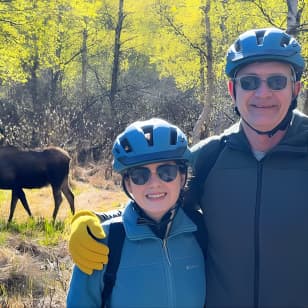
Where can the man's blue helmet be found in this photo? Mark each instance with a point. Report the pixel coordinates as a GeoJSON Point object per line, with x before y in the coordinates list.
{"type": "Point", "coordinates": [270, 44]}
{"type": "Point", "coordinates": [145, 142]}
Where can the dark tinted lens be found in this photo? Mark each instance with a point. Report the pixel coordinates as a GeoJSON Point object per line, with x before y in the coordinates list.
{"type": "Point", "coordinates": [277, 82]}
{"type": "Point", "coordinates": [167, 173]}
{"type": "Point", "coordinates": [139, 175]}
{"type": "Point", "coordinates": [250, 82]}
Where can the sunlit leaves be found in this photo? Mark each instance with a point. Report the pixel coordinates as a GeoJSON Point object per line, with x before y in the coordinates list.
{"type": "Point", "coordinates": [170, 32]}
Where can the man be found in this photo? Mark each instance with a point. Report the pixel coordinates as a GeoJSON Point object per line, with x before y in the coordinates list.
{"type": "Point", "coordinates": [255, 197]}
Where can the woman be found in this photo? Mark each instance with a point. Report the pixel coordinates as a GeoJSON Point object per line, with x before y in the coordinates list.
{"type": "Point", "coordinates": [161, 264]}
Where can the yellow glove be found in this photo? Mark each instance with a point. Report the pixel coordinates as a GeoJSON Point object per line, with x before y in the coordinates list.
{"type": "Point", "coordinates": [87, 253]}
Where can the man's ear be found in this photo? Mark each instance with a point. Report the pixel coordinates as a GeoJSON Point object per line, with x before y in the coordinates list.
{"type": "Point", "coordinates": [231, 89]}
{"type": "Point", "coordinates": [297, 88]}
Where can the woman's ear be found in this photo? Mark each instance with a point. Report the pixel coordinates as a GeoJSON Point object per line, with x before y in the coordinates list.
{"type": "Point", "coordinates": [183, 179]}
{"type": "Point", "coordinates": [127, 184]}
{"type": "Point", "coordinates": [231, 89]}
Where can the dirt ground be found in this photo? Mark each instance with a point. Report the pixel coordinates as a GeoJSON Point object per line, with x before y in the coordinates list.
{"type": "Point", "coordinates": [32, 275]}
{"type": "Point", "coordinates": [92, 192]}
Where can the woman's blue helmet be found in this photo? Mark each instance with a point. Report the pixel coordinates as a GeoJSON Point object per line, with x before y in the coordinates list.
{"type": "Point", "coordinates": [145, 142]}
{"type": "Point", "coordinates": [270, 44]}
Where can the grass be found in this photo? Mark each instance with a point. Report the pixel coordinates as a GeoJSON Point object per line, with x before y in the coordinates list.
{"type": "Point", "coordinates": [35, 265]}
{"type": "Point", "coordinates": [45, 230]}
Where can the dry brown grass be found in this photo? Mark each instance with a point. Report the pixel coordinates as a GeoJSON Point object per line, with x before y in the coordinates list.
{"type": "Point", "coordinates": [90, 188]}
{"type": "Point", "coordinates": [32, 275]}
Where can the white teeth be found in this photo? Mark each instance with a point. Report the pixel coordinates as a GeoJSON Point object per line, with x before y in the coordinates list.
{"type": "Point", "coordinates": [156, 195]}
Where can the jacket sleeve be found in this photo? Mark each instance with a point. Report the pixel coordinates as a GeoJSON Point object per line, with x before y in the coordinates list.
{"type": "Point", "coordinates": [85, 290]}
{"type": "Point", "coordinates": [204, 156]}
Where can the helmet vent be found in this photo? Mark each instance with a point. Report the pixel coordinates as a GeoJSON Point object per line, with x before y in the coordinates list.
{"type": "Point", "coordinates": [150, 141]}
{"type": "Point", "coordinates": [237, 45]}
{"type": "Point", "coordinates": [285, 40]}
{"type": "Point", "coordinates": [148, 134]}
{"type": "Point", "coordinates": [260, 37]}
{"type": "Point", "coordinates": [173, 136]}
{"type": "Point", "coordinates": [126, 145]}
{"type": "Point", "coordinates": [269, 44]}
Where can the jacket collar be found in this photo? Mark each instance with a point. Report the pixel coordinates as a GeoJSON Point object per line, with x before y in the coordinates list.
{"type": "Point", "coordinates": [134, 231]}
{"type": "Point", "coordinates": [295, 139]}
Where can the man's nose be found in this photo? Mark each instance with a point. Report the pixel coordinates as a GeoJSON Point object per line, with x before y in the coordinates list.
{"type": "Point", "coordinates": [263, 89]}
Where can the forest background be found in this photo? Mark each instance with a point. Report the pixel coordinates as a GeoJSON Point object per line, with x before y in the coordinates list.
{"type": "Point", "coordinates": [76, 73]}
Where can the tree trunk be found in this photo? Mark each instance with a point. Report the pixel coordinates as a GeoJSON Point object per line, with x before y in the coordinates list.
{"type": "Point", "coordinates": [116, 54]}
{"type": "Point", "coordinates": [293, 22]}
{"type": "Point", "coordinates": [293, 29]}
{"type": "Point", "coordinates": [207, 85]}
{"type": "Point", "coordinates": [305, 108]}
{"type": "Point", "coordinates": [38, 116]}
{"type": "Point", "coordinates": [84, 63]}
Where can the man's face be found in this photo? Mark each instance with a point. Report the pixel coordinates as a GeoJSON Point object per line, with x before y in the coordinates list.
{"type": "Point", "coordinates": [263, 107]}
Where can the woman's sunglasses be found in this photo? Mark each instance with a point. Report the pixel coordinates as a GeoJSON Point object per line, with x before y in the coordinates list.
{"type": "Point", "coordinates": [141, 175]}
{"type": "Point", "coordinates": [253, 82]}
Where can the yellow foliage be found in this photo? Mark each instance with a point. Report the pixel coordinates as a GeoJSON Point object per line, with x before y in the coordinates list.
{"type": "Point", "coordinates": [172, 33]}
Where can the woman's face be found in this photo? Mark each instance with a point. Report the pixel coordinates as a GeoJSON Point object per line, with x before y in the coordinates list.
{"type": "Point", "coordinates": [156, 196]}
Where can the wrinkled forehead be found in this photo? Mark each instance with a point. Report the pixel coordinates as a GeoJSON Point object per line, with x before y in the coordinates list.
{"type": "Point", "coordinates": [267, 68]}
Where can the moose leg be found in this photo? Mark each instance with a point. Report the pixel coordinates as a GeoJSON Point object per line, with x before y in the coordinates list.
{"type": "Point", "coordinates": [18, 193]}
{"type": "Point", "coordinates": [58, 199]}
{"type": "Point", "coordinates": [14, 200]}
{"type": "Point", "coordinates": [68, 194]}
{"type": "Point", "coordinates": [22, 197]}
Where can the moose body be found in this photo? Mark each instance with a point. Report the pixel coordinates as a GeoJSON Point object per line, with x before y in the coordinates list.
{"type": "Point", "coordinates": [35, 169]}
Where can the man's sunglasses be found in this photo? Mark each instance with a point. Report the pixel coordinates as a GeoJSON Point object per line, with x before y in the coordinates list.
{"type": "Point", "coordinates": [141, 175]}
{"type": "Point", "coordinates": [253, 82]}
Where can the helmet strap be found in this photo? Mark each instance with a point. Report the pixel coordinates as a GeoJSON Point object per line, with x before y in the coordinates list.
{"type": "Point", "coordinates": [124, 177]}
{"type": "Point", "coordinates": [281, 126]}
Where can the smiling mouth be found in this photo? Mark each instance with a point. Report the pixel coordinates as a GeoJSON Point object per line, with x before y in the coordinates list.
{"type": "Point", "coordinates": [267, 107]}
{"type": "Point", "coordinates": [156, 196]}
{"type": "Point", "coordinates": [263, 107]}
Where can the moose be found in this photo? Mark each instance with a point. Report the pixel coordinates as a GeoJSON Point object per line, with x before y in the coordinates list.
{"type": "Point", "coordinates": [35, 169]}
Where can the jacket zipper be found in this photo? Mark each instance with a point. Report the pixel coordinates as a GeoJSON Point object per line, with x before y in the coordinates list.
{"type": "Point", "coordinates": [165, 248]}
{"type": "Point", "coordinates": [170, 290]}
{"type": "Point", "coordinates": [257, 234]}
{"type": "Point", "coordinates": [173, 213]}
{"type": "Point", "coordinates": [166, 252]}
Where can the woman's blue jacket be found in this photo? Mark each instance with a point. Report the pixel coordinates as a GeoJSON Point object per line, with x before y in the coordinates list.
{"type": "Point", "coordinates": [152, 272]}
